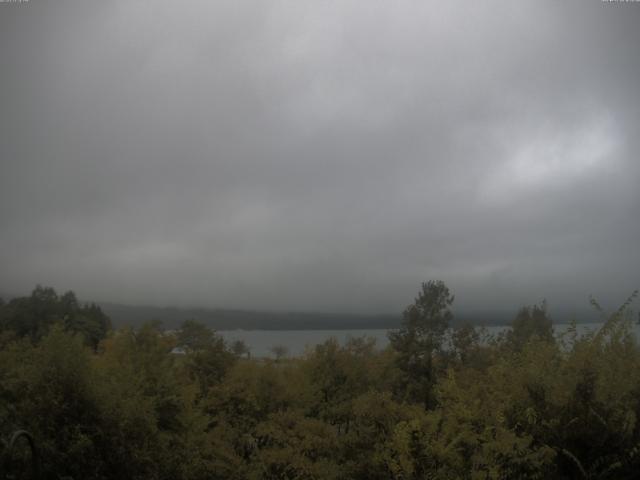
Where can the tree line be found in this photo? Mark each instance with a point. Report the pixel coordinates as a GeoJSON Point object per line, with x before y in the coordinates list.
{"type": "Point", "coordinates": [437, 403]}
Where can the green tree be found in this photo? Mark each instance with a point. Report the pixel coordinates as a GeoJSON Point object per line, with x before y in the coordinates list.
{"type": "Point", "coordinates": [193, 335]}
{"type": "Point", "coordinates": [465, 341]}
{"type": "Point", "coordinates": [279, 351]}
{"type": "Point", "coordinates": [208, 357]}
{"type": "Point", "coordinates": [424, 325]}
{"type": "Point", "coordinates": [241, 349]}
{"type": "Point", "coordinates": [33, 316]}
{"type": "Point", "coordinates": [531, 321]}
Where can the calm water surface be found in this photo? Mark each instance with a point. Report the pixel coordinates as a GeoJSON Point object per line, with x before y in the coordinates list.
{"type": "Point", "coordinates": [260, 342]}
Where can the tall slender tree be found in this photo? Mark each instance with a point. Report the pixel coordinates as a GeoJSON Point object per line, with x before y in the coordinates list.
{"type": "Point", "coordinates": [424, 325]}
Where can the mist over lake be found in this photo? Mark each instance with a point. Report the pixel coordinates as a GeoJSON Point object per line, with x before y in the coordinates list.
{"type": "Point", "coordinates": [297, 342]}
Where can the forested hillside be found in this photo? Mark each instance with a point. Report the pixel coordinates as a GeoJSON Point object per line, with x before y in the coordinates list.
{"type": "Point", "coordinates": [229, 319]}
{"type": "Point", "coordinates": [105, 403]}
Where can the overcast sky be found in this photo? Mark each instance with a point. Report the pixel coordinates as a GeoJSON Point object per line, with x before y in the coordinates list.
{"type": "Point", "coordinates": [320, 155]}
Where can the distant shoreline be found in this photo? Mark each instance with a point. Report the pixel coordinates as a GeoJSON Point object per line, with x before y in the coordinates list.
{"type": "Point", "coordinates": [249, 320]}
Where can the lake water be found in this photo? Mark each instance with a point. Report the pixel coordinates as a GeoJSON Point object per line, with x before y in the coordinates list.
{"type": "Point", "coordinates": [260, 342]}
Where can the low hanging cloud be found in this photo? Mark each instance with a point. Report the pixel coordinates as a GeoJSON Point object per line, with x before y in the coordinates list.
{"type": "Point", "coordinates": [325, 156]}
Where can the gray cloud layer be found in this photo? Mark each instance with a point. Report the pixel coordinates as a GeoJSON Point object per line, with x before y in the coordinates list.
{"type": "Point", "coordinates": [320, 155]}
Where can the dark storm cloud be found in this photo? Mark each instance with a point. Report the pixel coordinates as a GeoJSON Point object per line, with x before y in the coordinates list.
{"type": "Point", "coordinates": [320, 155]}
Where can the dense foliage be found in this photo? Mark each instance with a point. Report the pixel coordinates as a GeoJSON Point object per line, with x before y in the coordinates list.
{"type": "Point", "coordinates": [436, 404]}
